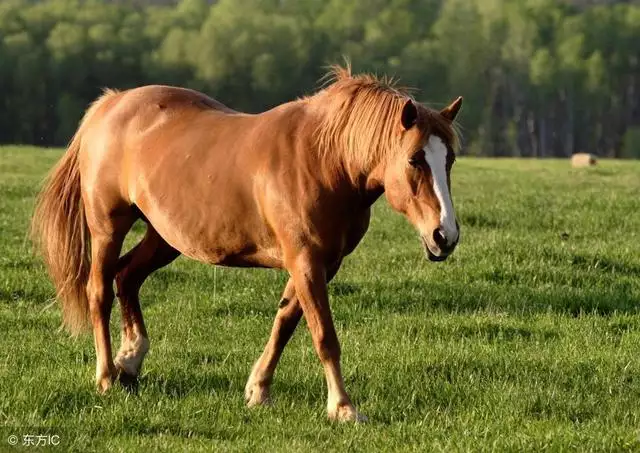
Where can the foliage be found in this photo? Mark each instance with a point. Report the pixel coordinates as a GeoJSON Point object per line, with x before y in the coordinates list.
{"type": "Point", "coordinates": [540, 77]}
{"type": "Point", "coordinates": [631, 143]}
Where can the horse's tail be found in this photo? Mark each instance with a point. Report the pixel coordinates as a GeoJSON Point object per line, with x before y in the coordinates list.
{"type": "Point", "coordinates": [59, 230]}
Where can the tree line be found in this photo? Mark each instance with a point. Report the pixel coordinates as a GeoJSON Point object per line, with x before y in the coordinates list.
{"type": "Point", "coordinates": [539, 77]}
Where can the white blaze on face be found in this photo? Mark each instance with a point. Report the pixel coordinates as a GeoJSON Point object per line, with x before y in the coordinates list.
{"type": "Point", "coordinates": [435, 153]}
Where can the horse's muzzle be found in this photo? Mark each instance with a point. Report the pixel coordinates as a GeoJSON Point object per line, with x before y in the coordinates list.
{"type": "Point", "coordinates": [436, 249]}
{"type": "Point", "coordinates": [432, 257]}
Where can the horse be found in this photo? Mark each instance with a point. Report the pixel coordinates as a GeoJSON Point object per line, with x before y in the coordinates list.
{"type": "Point", "coordinates": [289, 188]}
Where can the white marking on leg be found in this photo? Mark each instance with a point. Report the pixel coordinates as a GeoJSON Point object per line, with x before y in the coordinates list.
{"type": "Point", "coordinates": [132, 353]}
{"type": "Point", "coordinates": [435, 153]}
{"type": "Point", "coordinates": [256, 392]}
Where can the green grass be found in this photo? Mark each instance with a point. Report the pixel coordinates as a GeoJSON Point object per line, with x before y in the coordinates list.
{"type": "Point", "coordinates": [526, 339]}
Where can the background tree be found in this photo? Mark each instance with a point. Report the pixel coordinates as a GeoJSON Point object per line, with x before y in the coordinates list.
{"type": "Point", "coordinates": [540, 77]}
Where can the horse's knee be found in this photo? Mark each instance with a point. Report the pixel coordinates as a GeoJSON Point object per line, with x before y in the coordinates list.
{"type": "Point", "coordinates": [327, 346]}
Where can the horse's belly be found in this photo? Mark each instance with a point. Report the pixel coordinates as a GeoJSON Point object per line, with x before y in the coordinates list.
{"type": "Point", "coordinates": [245, 255]}
{"type": "Point", "coordinates": [204, 212]}
{"type": "Point", "coordinates": [212, 234]}
{"type": "Point", "coordinates": [271, 258]}
{"type": "Point", "coordinates": [228, 248]}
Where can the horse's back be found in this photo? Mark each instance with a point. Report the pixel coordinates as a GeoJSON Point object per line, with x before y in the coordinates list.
{"type": "Point", "coordinates": [171, 98]}
{"type": "Point", "coordinates": [134, 111]}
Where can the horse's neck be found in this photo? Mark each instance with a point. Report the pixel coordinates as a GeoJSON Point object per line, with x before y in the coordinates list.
{"type": "Point", "coordinates": [365, 184]}
{"type": "Point", "coordinates": [373, 185]}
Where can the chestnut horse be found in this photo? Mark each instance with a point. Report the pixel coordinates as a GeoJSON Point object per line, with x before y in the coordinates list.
{"type": "Point", "coordinates": [289, 188]}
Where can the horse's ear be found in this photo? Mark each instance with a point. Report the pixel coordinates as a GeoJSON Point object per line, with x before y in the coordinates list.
{"type": "Point", "coordinates": [409, 115]}
{"type": "Point", "coordinates": [452, 110]}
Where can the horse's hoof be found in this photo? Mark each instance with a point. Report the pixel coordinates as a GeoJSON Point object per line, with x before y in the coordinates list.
{"type": "Point", "coordinates": [347, 413]}
{"type": "Point", "coordinates": [103, 384]}
{"type": "Point", "coordinates": [256, 395]}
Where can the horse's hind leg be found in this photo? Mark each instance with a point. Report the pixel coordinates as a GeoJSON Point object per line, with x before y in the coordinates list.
{"type": "Point", "coordinates": [107, 235]}
{"type": "Point", "coordinates": [150, 254]}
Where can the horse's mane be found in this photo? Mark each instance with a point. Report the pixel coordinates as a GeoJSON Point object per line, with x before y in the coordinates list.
{"type": "Point", "coordinates": [361, 116]}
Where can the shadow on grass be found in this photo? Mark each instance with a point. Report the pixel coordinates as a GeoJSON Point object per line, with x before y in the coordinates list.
{"type": "Point", "coordinates": [182, 384]}
{"type": "Point", "coordinates": [491, 331]}
{"type": "Point", "coordinates": [478, 220]}
{"type": "Point", "coordinates": [606, 265]}
{"type": "Point", "coordinates": [410, 296]}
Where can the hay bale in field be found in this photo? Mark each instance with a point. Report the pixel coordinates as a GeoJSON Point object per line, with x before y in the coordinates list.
{"type": "Point", "coordinates": [579, 160]}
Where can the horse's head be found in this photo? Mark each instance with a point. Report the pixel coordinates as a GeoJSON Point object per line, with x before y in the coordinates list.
{"type": "Point", "coordinates": [417, 178]}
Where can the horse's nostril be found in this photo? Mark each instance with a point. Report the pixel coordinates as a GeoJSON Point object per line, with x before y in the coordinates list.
{"type": "Point", "coordinates": [439, 238]}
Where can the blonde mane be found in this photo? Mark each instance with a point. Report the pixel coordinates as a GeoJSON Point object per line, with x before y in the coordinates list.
{"type": "Point", "coordinates": [361, 115]}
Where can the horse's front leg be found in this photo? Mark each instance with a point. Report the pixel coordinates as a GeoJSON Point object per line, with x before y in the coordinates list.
{"type": "Point", "coordinates": [289, 313]}
{"type": "Point", "coordinates": [310, 281]}
{"type": "Point", "coordinates": [257, 390]}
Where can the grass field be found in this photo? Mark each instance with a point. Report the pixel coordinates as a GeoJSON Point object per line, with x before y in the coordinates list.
{"type": "Point", "coordinates": [526, 339]}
